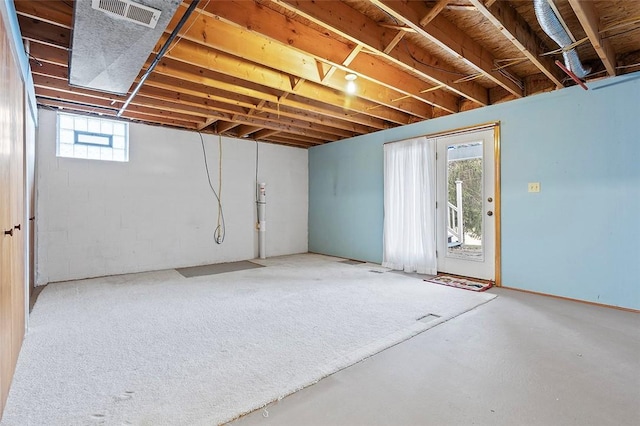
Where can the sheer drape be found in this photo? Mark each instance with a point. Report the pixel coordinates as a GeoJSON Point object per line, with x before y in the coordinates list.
{"type": "Point", "coordinates": [409, 206]}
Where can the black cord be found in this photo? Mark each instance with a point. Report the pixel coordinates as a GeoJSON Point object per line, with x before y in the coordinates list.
{"type": "Point", "coordinates": [38, 63]}
{"type": "Point", "coordinates": [404, 43]}
{"type": "Point", "coordinates": [221, 229]}
{"type": "Point", "coordinates": [620, 33]}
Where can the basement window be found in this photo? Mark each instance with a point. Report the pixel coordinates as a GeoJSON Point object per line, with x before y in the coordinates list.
{"type": "Point", "coordinates": [92, 138]}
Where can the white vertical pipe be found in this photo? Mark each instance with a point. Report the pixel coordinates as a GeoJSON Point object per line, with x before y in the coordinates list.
{"type": "Point", "coordinates": [262, 223]}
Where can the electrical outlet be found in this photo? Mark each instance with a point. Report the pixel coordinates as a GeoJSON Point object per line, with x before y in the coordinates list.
{"type": "Point", "coordinates": [534, 186]}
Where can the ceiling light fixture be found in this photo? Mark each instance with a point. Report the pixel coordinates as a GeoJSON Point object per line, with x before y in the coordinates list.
{"type": "Point", "coordinates": [351, 83]}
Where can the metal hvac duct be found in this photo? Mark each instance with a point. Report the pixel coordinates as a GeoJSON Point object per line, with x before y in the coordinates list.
{"type": "Point", "coordinates": [551, 25]}
{"type": "Point", "coordinates": [112, 39]}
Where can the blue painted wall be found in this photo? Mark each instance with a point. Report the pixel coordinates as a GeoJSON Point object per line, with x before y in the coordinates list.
{"type": "Point", "coordinates": [579, 237]}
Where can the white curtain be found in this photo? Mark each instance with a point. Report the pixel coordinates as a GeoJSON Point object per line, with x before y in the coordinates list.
{"type": "Point", "coordinates": [409, 206]}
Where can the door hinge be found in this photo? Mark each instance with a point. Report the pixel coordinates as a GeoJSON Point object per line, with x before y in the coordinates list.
{"type": "Point", "coordinates": [436, 254]}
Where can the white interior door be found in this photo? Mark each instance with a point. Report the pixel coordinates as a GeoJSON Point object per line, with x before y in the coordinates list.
{"type": "Point", "coordinates": [465, 204]}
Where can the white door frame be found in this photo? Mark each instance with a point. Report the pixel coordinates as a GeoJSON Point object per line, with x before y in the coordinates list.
{"type": "Point", "coordinates": [496, 204]}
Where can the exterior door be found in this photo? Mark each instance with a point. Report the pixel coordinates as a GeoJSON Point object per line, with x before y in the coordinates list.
{"type": "Point", "coordinates": [466, 204]}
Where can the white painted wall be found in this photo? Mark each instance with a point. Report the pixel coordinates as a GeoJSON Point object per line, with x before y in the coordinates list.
{"type": "Point", "coordinates": [157, 211]}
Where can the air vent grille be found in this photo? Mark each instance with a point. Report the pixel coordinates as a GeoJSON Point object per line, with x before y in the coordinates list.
{"type": "Point", "coordinates": [128, 10]}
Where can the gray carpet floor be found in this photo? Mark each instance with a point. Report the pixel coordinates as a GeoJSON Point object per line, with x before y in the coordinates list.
{"type": "Point", "coordinates": [161, 349]}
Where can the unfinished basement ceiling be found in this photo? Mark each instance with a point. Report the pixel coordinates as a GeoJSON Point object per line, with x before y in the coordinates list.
{"type": "Point", "coordinates": [108, 48]}
{"type": "Point", "coordinates": [274, 70]}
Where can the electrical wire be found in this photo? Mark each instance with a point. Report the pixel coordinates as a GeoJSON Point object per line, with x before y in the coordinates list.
{"type": "Point", "coordinates": [620, 33]}
{"type": "Point", "coordinates": [180, 37]}
{"type": "Point", "coordinates": [404, 43]}
{"type": "Point", "coordinates": [36, 60]}
{"type": "Point", "coordinates": [221, 229]}
{"type": "Point", "coordinates": [622, 67]}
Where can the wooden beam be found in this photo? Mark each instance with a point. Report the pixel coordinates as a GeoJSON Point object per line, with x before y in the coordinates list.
{"type": "Point", "coordinates": [258, 107]}
{"type": "Point", "coordinates": [213, 108]}
{"type": "Point", "coordinates": [395, 84]}
{"type": "Point", "coordinates": [222, 127]}
{"type": "Point", "coordinates": [222, 19]}
{"type": "Point", "coordinates": [341, 19]}
{"type": "Point", "coordinates": [463, 7]}
{"type": "Point", "coordinates": [296, 140]}
{"type": "Point", "coordinates": [208, 122]}
{"type": "Point", "coordinates": [52, 12]}
{"type": "Point", "coordinates": [199, 93]}
{"type": "Point", "coordinates": [43, 32]}
{"type": "Point", "coordinates": [268, 101]}
{"type": "Point", "coordinates": [277, 139]}
{"type": "Point", "coordinates": [187, 51]}
{"type": "Point", "coordinates": [244, 129]}
{"type": "Point", "coordinates": [590, 21]}
{"type": "Point", "coordinates": [149, 106]}
{"type": "Point", "coordinates": [88, 108]}
{"type": "Point", "coordinates": [435, 10]}
{"type": "Point", "coordinates": [311, 99]}
{"type": "Point", "coordinates": [448, 37]}
{"type": "Point", "coordinates": [265, 133]}
{"type": "Point", "coordinates": [394, 42]}
{"type": "Point", "coordinates": [46, 53]}
{"type": "Point", "coordinates": [352, 55]}
{"type": "Point", "coordinates": [514, 28]}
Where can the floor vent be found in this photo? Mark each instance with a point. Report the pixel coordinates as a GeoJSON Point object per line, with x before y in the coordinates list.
{"type": "Point", "coordinates": [129, 10]}
{"type": "Point", "coordinates": [376, 271]}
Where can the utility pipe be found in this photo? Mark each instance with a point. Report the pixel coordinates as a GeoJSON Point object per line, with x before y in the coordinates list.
{"type": "Point", "coordinates": [262, 222]}
{"type": "Point", "coordinates": [159, 56]}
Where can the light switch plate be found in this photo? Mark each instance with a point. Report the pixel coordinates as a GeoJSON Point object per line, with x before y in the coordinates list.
{"type": "Point", "coordinates": [534, 186]}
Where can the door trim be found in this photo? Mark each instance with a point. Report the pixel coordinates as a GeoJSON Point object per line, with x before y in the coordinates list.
{"type": "Point", "coordinates": [495, 125]}
{"type": "Point", "coordinates": [498, 204]}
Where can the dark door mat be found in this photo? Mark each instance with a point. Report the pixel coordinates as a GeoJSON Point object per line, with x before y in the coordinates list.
{"type": "Point", "coordinates": [218, 268]}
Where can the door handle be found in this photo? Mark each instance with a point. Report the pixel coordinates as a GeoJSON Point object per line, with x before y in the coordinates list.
{"type": "Point", "coordinates": [9, 232]}
{"type": "Point", "coordinates": [489, 213]}
{"type": "Point", "coordinates": [18, 226]}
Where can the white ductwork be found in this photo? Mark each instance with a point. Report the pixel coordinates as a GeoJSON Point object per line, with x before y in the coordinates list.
{"type": "Point", "coordinates": [551, 25]}
{"type": "Point", "coordinates": [262, 221]}
{"type": "Point", "coordinates": [112, 39]}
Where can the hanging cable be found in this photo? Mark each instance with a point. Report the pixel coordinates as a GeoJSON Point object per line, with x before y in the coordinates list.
{"type": "Point", "coordinates": [221, 229]}
{"type": "Point", "coordinates": [187, 30]}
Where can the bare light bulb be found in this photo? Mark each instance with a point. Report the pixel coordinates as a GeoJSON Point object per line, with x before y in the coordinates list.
{"type": "Point", "coordinates": [351, 84]}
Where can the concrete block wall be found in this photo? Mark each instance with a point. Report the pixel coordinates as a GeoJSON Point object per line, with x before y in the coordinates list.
{"type": "Point", "coordinates": [97, 218]}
